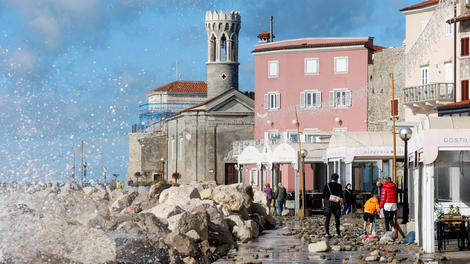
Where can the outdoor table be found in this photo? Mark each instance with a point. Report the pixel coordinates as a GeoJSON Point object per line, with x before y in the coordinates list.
{"type": "Point", "coordinates": [463, 234]}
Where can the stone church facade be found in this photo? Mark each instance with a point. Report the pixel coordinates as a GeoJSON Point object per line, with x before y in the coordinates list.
{"type": "Point", "coordinates": [197, 141]}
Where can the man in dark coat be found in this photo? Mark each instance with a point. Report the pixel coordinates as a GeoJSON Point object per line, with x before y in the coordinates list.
{"type": "Point", "coordinates": [376, 190]}
{"type": "Point", "coordinates": [281, 195]}
{"type": "Point", "coordinates": [330, 207]}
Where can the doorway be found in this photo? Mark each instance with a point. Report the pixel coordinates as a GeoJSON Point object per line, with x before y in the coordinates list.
{"type": "Point", "coordinates": [231, 174]}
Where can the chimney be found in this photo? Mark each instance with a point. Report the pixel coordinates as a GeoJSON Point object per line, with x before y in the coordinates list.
{"type": "Point", "coordinates": [271, 29]}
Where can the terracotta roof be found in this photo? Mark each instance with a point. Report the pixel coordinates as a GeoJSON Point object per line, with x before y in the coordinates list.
{"type": "Point", "coordinates": [462, 17]}
{"type": "Point", "coordinates": [312, 46]}
{"type": "Point", "coordinates": [191, 108]}
{"type": "Point", "coordinates": [264, 35]}
{"type": "Point", "coordinates": [420, 5]}
{"type": "Point", "coordinates": [183, 87]}
{"type": "Point", "coordinates": [455, 105]}
{"type": "Point", "coordinates": [379, 48]}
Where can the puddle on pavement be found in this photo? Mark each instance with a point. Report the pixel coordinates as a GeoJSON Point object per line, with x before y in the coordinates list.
{"type": "Point", "coordinates": [273, 246]}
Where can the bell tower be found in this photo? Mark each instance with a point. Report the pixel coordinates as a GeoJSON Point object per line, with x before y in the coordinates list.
{"type": "Point", "coordinates": [222, 62]}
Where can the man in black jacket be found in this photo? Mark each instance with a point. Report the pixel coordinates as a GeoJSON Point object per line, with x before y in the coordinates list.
{"type": "Point", "coordinates": [330, 207]}
{"type": "Point", "coordinates": [377, 190]}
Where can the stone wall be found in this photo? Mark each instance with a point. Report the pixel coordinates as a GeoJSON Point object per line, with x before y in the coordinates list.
{"type": "Point", "coordinates": [203, 154]}
{"type": "Point", "coordinates": [221, 77]}
{"type": "Point", "coordinates": [380, 89]}
{"type": "Point", "coordinates": [464, 63]}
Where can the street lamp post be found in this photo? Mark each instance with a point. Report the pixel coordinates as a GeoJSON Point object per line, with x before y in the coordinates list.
{"type": "Point", "coordinates": [84, 175]}
{"type": "Point", "coordinates": [163, 159]}
{"type": "Point", "coordinates": [405, 135]}
{"type": "Point", "coordinates": [303, 153]}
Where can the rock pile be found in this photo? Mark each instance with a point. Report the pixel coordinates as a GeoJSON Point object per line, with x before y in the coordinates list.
{"type": "Point", "coordinates": [167, 224]}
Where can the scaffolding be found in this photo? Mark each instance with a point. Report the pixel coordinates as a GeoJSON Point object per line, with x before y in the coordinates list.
{"type": "Point", "coordinates": [151, 114]}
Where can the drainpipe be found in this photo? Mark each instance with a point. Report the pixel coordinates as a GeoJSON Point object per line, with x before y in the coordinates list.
{"type": "Point", "coordinates": [176, 146]}
{"type": "Point", "coordinates": [271, 29]}
{"type": "Point", "coordinates": [215, 153]}
{"type": "Point", "coordinates": [455, 53]}
{"type": "Point", "coordinates": [197, 124]}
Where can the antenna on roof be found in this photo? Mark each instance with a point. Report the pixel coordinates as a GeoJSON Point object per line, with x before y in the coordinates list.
{"type": "Point", "coordinates": [180, 76]}
{"type": "Point", "coordinates": [177, 70]}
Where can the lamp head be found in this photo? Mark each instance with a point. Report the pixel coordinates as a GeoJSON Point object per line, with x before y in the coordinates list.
{"type": "Point", "coordinates": [303, 153]}
{"type": "Point", "coordinates": [405, 133]}
{"type": "Point", "coordinates": [163, 159]}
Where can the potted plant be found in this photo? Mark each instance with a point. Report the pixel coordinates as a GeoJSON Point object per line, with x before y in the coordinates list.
{"type": "Point", "coordinates": [176, 176]}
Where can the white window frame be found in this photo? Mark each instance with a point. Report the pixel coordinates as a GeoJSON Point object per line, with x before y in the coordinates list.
{"type": "Point", "coordinates": [448, 72]}
{"type": "Point", "coordinates": [312, 138]}
{"type": "Point", "coordinates": [449, 28]}
{"type": "Point", "coordinates": [272, 100]}
{"type": "Point", "coordinates": [347, 65]}
{"type": "Point", "coordinates": [292, 132]}
{"type": "Point", "coordinates": [424, 75]}
{"type": "Point", "coordinates": [340, 129]}
{"type": "Point", "coordinates": [273, 74]}
{"type": "Point", "coordinates": [316, 61]}
{"type": "Point", "coordinates": [253, 172]}
{"type": "Point", "coordinates": [273, 133]}
{"type": "Point", "coordinates": [310, 94]}
{"type": "Point", "coordinates": [341, 101]}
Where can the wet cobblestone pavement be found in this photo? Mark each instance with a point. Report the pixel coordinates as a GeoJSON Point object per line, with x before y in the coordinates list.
{"type": "Point", "coordinates": [281, 246]}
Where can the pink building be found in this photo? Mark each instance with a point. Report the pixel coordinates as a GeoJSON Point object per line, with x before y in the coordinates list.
{"type": "Point", "coordinates": [324, 80]}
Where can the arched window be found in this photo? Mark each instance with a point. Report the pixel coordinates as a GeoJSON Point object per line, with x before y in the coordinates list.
{"type": "Point", "coordinates": [212, 48]}
{"type": "Point", "coordinates": [223, 48]}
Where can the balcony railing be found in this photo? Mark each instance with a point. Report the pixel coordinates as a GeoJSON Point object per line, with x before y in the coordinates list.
{"type": "Point", "coordinates": [240, 145]}
{"type": "Point", "coordinates": [428, 92]}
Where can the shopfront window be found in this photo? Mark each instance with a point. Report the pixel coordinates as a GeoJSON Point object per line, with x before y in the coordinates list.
{"type": "Point", "coordinates": [452, 174]}
{"type": "Point", "coordinates": [364, 174]}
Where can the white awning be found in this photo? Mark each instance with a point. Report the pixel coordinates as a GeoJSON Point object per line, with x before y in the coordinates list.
{"type": "Point", "coordinates": [350, 146]}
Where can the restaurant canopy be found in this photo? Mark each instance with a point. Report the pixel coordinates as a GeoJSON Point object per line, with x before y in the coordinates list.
{"type": "Point", "coordinates": [354, 146]}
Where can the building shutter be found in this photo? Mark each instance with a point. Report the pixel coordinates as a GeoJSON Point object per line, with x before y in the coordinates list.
{"type": "Point", "coordinates": [318, 96]}
{"type": "Point", "coordinates": [348, 98]}
{"type": "Point", "coordinates": [394, 107]}
{"type": "Point", "coordinates": [302, 99]}
{"type": "Point", "coordinates": [464, 90]}
{"type": "Point", "coordinates": [464, 47]}
{"type": "Point", "coordinates": [332, 98]}
{"type": "Point", "coordinates": [266, 101]}
{"type": "Point", "coordinates": [278, 101]}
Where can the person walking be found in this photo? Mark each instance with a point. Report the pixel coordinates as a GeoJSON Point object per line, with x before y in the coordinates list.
{"type": "Point", "coordinates": [268, 192]}
{"type": "Point", "coordinates": [348, 200]}
{"type": "Point", "coordinates": [281, 195]}
{"type": "Point", "coordinates": [389, 202]}
{"type": "Point", "coordinates": [370, 209]}
{"type": "Point", "coordinates": [332, 203]}
{"type": "Point", "coordinates": [377, 190]}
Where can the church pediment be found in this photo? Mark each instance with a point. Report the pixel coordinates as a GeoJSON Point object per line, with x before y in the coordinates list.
{"type": "Point", "coordinates": [231, 102]}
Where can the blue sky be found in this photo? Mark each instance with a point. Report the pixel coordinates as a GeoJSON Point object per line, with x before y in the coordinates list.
{"type": "Point", "coordinates": [77, 70]}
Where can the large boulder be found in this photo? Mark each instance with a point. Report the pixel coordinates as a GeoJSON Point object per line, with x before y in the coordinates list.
{"type": "Point", "coordinates": [143, 201]}
{"type": "Point", "coordinates": [261, 198]}
{"type": "Point", "coordinates": [187, 221]}
{"type": "Point", "coordinates": [186, 247]}
{"type": "Point", "coordinates": [88, 190]}
{"type": "Point", "coordinates": [175, 195]}
{"type": "Point", "coordinates": [243, 233]}
{"type": "Point", "coordinates": [157, 189]}
{"type": "Point", "coordinates": [254, 228]}
{"type": "Point", "coordinates": [114, 195]}
{"type": "Point", "coordinates": [165, 211]}
{"type": "Point", "coordinates": [230, 201]}
{"type": "Point", "coordinates": [143, 250]}
{"type": "Point", "coordinates": [70, 187]}
{"type": "Point", "coordinates": [234, 220]}
{"type": "Point", "coordinates": [321, 246]}
{"type": "Point", "coordinates": [124, 200]}
{"type": "Point", "coordinates": [219, 235]}
{"type": "Point", "coordinates": [263, 210]}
